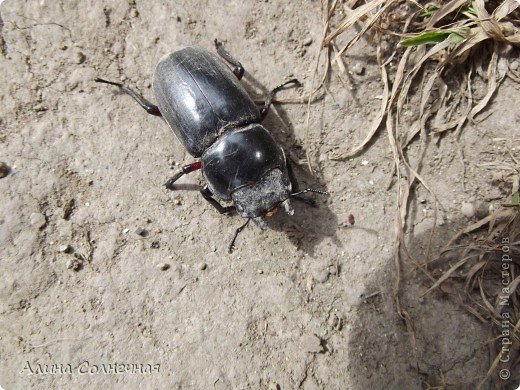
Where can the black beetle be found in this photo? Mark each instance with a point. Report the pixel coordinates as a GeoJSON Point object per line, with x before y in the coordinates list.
{"type": "Point", "coordinates": [216, 120]}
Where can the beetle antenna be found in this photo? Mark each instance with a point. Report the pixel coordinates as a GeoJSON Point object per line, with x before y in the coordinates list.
{"type": "Point", "coordinates": [308, 190]}
{"type": "Point", "coordinates": [232, 244]}
{"type": "Point", "coordinates": [310, 202]}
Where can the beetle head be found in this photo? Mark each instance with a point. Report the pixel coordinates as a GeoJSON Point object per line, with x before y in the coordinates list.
{"type": "Point", "coordinates": [263, 197]}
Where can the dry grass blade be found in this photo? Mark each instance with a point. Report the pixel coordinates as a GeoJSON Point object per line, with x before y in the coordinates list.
{"type": "Point", "coordinates": [460, 53]}
{"type": "Point", "coordinates": [457, 123]}
{"type": "Point", "coordinates": [444, 11]}
{"type": "Point", "coordinates": [505, 8]}
{"type": "Point", "coordinates": [368, 25]}
{"type": "Point", "coordinates": [474, 312]}
{"type": "Point", "coordinates": [326, 13]}
{"type": "Point", "coordinates": [496, 75]}
{"type": "Point", "coordinates": [341, 67]}
{"type": "Point", "coordinates": [403, 86]}
{"type": "Point", "coordinates": [499, 215]}
{"type": "Point", "coordinates": [402, 193]}
{"type": "Point", "coordinates": [491, 23]}
{"type": "Point", "coordinates": [413, 72]}
{"type": "Point", "coordinates": [493, 367]}
{"type": "Point", "coordinates": [448, 273]}
{"type": "Point", "coordinates": [473, 271]}
{"type": "Point", "coordinates": [487, 304]}
{"type": "Point", "coordinates": [375, 124]}
{"type": "Point", "coordinates": [387, 102]}
{"type": "Point", "coordinates": [517, 327]}
{"type": "Point", "coordinates": [513, 286]}
{"type": "Point", "coordinates": [355, 16]}
{"type": "Point", "coordinates": [425, 112]}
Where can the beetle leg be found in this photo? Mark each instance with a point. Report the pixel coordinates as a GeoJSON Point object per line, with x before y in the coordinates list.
{"type": "Point", "coordinates": [208, 195]}
{"type": "Point", "coordinates": [149, 107]}
{"type": "Point", "coordinates": [290, 172]}
{"type": "Point", "coordinates": [237, 232]}
{"type": "Point", "coordinates": [239, 69]}
{"type": "Point", "coordinates": [184, 171]}
{"type": "Point", "coordinates": [265, 109]}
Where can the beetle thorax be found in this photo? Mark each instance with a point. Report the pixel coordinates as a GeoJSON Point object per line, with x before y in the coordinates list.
{"type": "Point", "coordinates": [244, 157]}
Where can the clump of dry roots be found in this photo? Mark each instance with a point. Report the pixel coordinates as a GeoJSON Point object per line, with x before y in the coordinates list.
{"type": "Point", "coordinates": [436, 53]}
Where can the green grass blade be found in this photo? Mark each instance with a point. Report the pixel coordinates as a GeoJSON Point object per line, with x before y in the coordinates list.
{"type": "Point", "coordinates": [426, 38]}
{"type": "Point", "coordinates": [432, 37]}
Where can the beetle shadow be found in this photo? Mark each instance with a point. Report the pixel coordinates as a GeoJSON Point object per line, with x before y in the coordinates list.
{"type": "Point", "coordinates": [312, 221]}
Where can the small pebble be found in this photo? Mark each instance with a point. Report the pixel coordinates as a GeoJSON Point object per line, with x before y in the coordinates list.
{"type": "Point", "coordinates": [468, 210]}
{"type": "Point", "coordinates": [163, 266]}
{"type": "Point", "coordinates": [307, 41]}
{"type": "Point", "coordinates": [481, 209]}
{"type": "Point", "coordinates": [40, 108]}
{"type": "Point", "coordinates": [333, 320]}
{"type": "Point", "coordinates": [68, 208]}
{"type": "Point", "coordinates": [358, 69]}
{"type": "Point", "coordinates": [37, 220]}
{"type": "Point", "coordinates": [321, 276]}
{"type": "Point", "coordinates": [311, 343]}
{"type": "Point", "coordinates": [74, 264]}
{"type": "Point", "coordinates": [4, 170]}
{"type": "Point", "coordinates": [320, 272]}
{"type": "Point", "coordinates": [274, 386]}
{"type": "Point", "coordinates": [141, 232]}
{"type": "Point", "coordinates": [66, 248]}
{"type": "Point", "coordinates": [333, 270]}
{"type": "Point", "coordinates": [80, 57]}
{"type": "Point", "coordinates": [260, 272]}
{"type": "Point", "coordinates": [155, 244]}
{"type": "Point", "coordinates": [203, 266]}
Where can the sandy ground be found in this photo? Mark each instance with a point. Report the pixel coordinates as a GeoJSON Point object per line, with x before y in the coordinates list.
{"type": "Point", "coordinates": [83, 303]}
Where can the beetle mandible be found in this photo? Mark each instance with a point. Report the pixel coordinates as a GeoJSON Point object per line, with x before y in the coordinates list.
{"type": "Point", "coordinates": [212, 115]}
